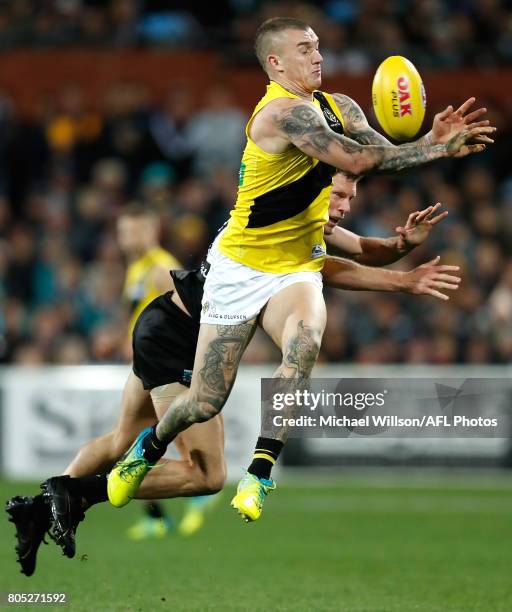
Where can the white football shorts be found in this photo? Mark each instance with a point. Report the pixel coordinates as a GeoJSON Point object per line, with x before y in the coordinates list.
{"type": "Point", "coordinates": [234, 293]}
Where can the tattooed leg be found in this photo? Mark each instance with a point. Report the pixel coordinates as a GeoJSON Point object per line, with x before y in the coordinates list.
{"type": "Point", "coordinates": [299, 358]}
{"type": "Point", "coordinates": [295, 320]}
{"type": "Point", "coordinates": [219, 350]}
{"type": "Point", "coordinates": [201, 470]}
{"type": "Point", "coordinates": [300, 353]}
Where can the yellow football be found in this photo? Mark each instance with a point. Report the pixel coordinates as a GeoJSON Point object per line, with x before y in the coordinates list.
{"type": "Point", "coordinates": [399, 98]}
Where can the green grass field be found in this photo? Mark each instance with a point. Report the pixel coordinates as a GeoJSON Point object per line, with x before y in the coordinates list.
{"type": "Point", "coordinates": [352, 544]}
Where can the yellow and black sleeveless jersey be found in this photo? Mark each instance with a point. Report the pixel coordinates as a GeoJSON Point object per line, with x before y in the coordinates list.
{"type": "Point", "coordinates": [139, 286]}
{"type": "Point", "coordinates": [282, 203]}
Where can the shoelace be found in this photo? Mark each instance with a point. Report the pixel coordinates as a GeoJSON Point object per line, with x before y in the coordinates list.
{"type": "Point", "coordinates": [131, 470]}
{"type": "Point", "coordinates": [261, 495]}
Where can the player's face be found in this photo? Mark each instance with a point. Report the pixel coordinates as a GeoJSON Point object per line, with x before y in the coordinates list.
{"type": "Point", "coordinates": [300, 59]}
{"type": "Point", "coordinates": [132, 235]}
{"type": "Point", "coordinates": [343, 191]}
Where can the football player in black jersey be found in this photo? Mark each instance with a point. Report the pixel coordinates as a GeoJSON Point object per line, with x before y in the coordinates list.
{"type": "Point", "coordinates": [164, 341]}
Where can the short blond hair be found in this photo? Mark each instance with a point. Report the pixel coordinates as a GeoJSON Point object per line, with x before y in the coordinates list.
{"type": "Point", "coordinates": [135, 210]}
{"type": "Point", "coordinates": [267, 31]}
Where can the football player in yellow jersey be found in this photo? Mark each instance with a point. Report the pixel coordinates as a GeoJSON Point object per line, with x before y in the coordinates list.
{"type": "Point", "coordinates": [147, 277]}
{"type": "Point", "coordinates": [164, 343]}
{"type": "Point", "coordinates": [269, 258]}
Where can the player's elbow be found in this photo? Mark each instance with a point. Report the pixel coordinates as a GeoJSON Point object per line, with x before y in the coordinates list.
{"type": "Point", "coordinates": [363, 163]}
{"type": "Point", "coordinates": [356, 164]}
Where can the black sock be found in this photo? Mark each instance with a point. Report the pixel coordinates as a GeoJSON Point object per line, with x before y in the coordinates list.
{"type": "Point", "coordinates": [154, 510]}
{"type": "Point", "coordinates": [154, 449]}
{"type": "Point", "coordinates": [92, 488]}
{"type": "Point", "coordinates": [266, 454]}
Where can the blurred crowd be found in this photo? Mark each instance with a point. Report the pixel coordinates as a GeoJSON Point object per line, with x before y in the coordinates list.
{"type": "Point", "coordinates": [355, 34]}
{"type": "Point", "coordinates": [66, 176]}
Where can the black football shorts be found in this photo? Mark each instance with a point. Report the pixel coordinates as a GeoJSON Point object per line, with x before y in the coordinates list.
{"type": "Point", "coordinates": [164, 344]}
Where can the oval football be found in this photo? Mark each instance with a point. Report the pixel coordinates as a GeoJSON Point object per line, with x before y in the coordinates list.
{"type": "Point", "coordinates": [398, 98]}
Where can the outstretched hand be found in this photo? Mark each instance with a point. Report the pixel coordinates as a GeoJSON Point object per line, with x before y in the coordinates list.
{"type": "Point", "coordinates": [418, 226]}
{"type": "Point", "coordinates": [430, 277]}
{"type": "Point", "coordinates": [449, 123]}
{"type": "Point", "coordinates": [469, 140]}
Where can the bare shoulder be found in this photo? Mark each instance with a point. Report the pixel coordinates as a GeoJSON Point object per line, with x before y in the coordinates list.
{"type": "Point", "coordinates": [285, 107]}
{"type": "Point", "coordinates": [342, 100]}
{"type": "Point", "coordinates": [274, 127]}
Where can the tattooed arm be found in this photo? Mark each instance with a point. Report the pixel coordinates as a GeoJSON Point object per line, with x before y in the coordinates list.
{"type": "Point", "coordinates": [302, 124]}
{"type": "Point", "coordinates": [357, 127]}
{"type": "Point", "coordinates": [446, 124]}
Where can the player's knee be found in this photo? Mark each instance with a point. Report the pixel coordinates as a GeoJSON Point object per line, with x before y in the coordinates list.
{"type": "Point", "coordinates": [303, 348]}
{"type": "Point", "coordinates": [314, 341]}
{"type": "Point", "coordinates": [210, 487]}
{"type": "Point", "coordinates": [215, 480]}
{"type": "Point", "coordinates": [209, 472]}
{"type": "Point", "coordinates": [211, 483]}
{"type": "Point", "coordinates": [204, 410]}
